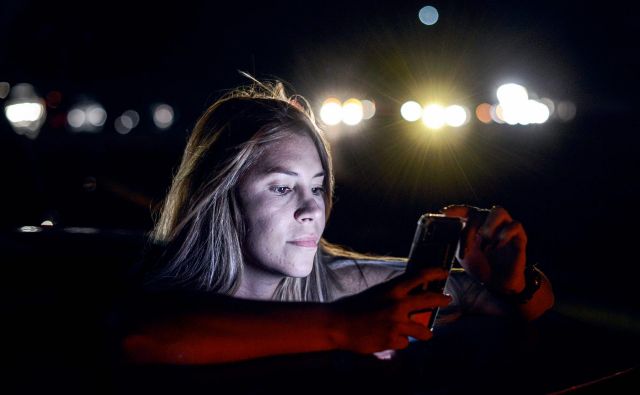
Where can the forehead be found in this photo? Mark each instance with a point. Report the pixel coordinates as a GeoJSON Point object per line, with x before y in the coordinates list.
{"type": "Point", "coordinates": [293, 150]}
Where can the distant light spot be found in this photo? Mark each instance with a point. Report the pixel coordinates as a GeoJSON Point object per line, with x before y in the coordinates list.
{"type": "Point", "coordinates": [411, 111]}
{"type": "Point", "coordinates": [433, 116]}
{"type": "Point", "coordinates": [368, 109]}
{"type": "Point", "coordinates": [428, 15]}
{"type": "Point", "coordinates": [352, 111]}
{"type": "Point", "coordinates": [331, 111]}
{"type": "Point", "coordinates": [483, 112]}
{"type": "Point", "coordinates": [5, 87]}
{"type": "Point", "coordinates": [163, 116]}
{"type": "Point", "coordinates": [566, 111]}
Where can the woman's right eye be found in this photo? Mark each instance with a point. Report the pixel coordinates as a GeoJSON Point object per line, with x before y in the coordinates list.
{"type": "Point", "coordinates": [281, 190]}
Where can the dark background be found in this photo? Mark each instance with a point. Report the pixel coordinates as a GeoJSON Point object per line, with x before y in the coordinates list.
{"type": "Point", "coordinates": [573, 184]}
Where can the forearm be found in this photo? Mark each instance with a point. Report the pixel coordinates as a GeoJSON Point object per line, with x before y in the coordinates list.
{"type": "Point", "coordinates": [475, 297]}
{"type": "Point", "coordinates": [541, 301]}
{"type": "Point", "coordinates": [245, 330]}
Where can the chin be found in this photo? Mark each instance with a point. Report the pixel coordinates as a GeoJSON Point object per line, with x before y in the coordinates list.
{"type": "Point", "coordinates": [303, 267]}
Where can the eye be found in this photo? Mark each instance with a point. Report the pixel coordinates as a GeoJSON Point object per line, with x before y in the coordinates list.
{"type": "Point", "coordinates": [317, 190]}
{"type": "Point", "coordinates": [280, 189]}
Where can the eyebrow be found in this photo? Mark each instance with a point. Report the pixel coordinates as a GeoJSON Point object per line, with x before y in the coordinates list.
{"type": "Point", "coordinates": [282, 170]}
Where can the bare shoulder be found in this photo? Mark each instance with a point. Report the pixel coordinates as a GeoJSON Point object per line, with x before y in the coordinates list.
{"type": "Point", "coordinates": [355, 275]}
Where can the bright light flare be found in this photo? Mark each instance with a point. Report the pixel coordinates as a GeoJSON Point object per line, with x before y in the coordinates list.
{"type": "Point", "coordinates": [455, 116]}
{"type": "Point", "coordinates": [512, 94]}
{"type": "Point", "coordinates": [25, 110]}
{"type": "Point", "coordinates": [433, 116]}
{"type": "Point", "coordinates": [411, 111]}
{"type": "Point", "coordinates": [538, 112]}
{"type": "Point", "coordinates": [24, 113]}
{"type": "Point", "coordinates": [352, 112]}
{"type": "Point", "coordinates": [331, 111]}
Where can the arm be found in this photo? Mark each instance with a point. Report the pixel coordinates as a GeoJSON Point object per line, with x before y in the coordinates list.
{"type": "Point", "coordinates": [224, 329]}
{"type": "Point", "coordinates": [541, 301]}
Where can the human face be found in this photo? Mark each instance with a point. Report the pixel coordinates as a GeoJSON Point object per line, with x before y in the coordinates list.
{"type": "Point", "coordinates": [282, 200]}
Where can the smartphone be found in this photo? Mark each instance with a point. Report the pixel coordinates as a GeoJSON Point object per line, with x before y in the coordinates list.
{"type": "Point", "coordinates": [434, 245]}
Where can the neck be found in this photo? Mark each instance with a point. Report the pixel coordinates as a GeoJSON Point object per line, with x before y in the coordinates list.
{"type": "Point", "coordinates": [257, 284]}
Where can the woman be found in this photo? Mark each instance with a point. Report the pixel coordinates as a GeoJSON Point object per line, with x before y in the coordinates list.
{"type": "Point", "coordinates": [240, 232]}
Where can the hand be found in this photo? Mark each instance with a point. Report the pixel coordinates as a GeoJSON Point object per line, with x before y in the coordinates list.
{"type": "Point", "coordinates": [379, 318]}
{"type": "Point", "coordinates": [492, 247]}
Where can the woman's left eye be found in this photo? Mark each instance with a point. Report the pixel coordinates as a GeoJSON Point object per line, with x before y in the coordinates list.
{"type": "Point", "coordinates": [317, 190]}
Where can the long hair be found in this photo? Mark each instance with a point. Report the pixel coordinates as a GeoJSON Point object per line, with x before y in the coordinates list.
{"type": "Point", "coordinates": [200, 223]}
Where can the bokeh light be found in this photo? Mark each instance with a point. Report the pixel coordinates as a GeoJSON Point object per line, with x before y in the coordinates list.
{"type": "Point", "coordinates": [512, 94]}
{"type": "Point", "coordinates": [126, 122]}
{"type": "Point", "coordinates": [455, 115]}
{"type": "Point", "coordinates": [331, 111]}
{"type": "Point", "coordinates": [163, 116]}
{"type": "Point", "coordinates": [566, 111]}
{"type": "Point", "coordinates": [411, 111]}
{"type": "Point", "coordinates": [25, 110]}
{"type": "Point", "coordinates": [549, 103]}
{"type": "Point", "coordinates": [368, 109]}
{"type": "Point", "coordinates": [76, 118]}
{"type": "Point", "coordinates": [496, 113]}
{"type": "Point", "coordinates": [96, 115]}
{"type": "Point", "coordinates": [352, 112]}
{"type": "Point", "coordinates": [87, 116]}
{"type": "Point", "coordinates": [537, 112]}
{"type": "Point", "coordinates": [428, 15]}
{"type": "Point", "coordinates": [483, 112]}
{"type": "Point", "coordinates": [5, 88]}
{"type": "Point", "coordinates": [433, 116]}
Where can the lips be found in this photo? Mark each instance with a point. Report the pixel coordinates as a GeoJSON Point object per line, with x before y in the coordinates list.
{"type": "Point", "coordinates": [309, 241]}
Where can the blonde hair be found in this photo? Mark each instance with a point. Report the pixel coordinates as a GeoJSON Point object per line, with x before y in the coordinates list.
{"type": "Point", "coordinates": [201, 226]}
{"type": "Point", "coordinates": [200, 221]}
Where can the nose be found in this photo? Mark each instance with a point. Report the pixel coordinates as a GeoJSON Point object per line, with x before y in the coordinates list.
{"type": "Point", "coordinates": [308, 208]}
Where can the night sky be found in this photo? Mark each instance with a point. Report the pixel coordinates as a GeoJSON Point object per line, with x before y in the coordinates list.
{"type": "Point", "coordinates": [572, 184]}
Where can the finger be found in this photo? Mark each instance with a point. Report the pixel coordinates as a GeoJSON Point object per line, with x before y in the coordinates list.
{"type": "Point", "coordinates": [415, 330]}
{"type": "Point", "coordinates": [422, 277]}
{"type": "Point", "coordinates": [513, 231]}
{"type": "Point", "coordinates": [426, 301]}
{"type": "Point", "coordinates": [474, 217]}
{"type": "Point", "coordinates": [400, 342]}
{"type": "Point", "coordinates": [419, 303]}
{"type": "Point", "coordinates": [457, 210]}
{"type": "Point", "coordinates": [497, 217]}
